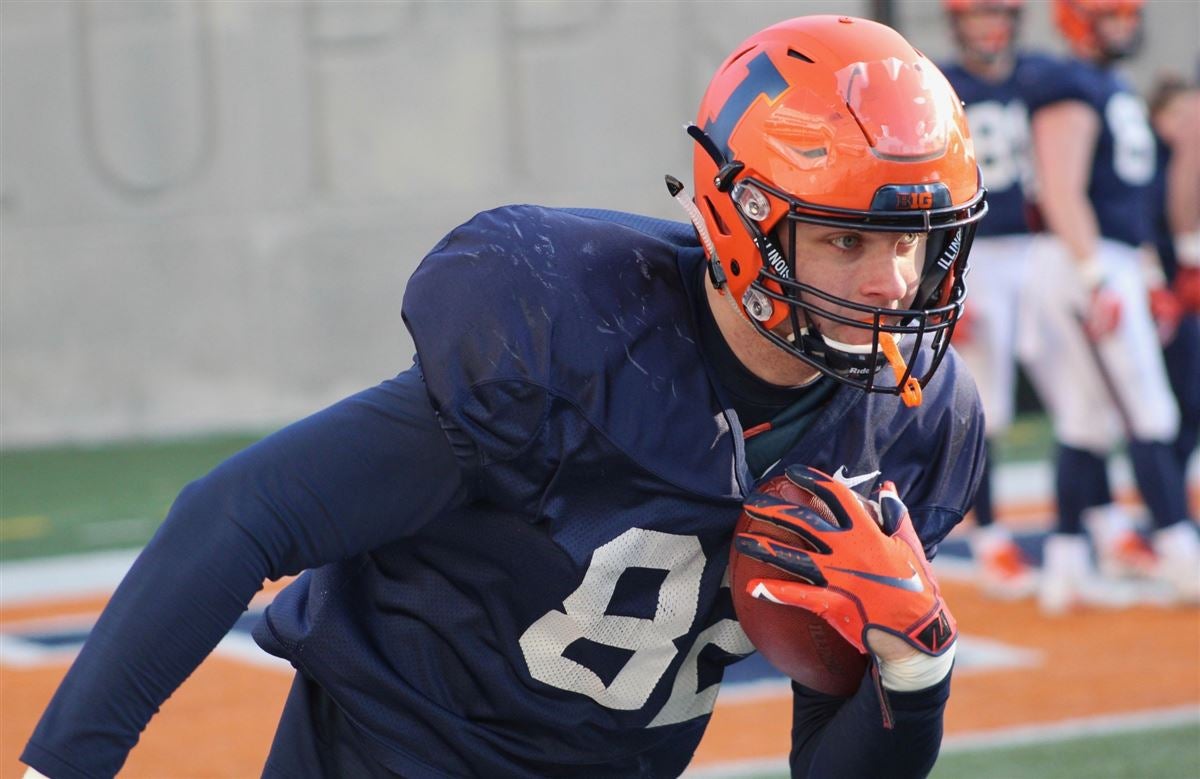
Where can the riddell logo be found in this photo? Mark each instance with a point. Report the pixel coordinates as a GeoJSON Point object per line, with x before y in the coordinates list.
{"type": "Point", "coordinates": [911, 200]}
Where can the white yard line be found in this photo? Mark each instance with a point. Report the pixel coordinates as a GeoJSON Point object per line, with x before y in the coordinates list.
{"type": "Point", "coordinates": [738, 769]}
{"type": "Point", "coordinates": [45, 578]}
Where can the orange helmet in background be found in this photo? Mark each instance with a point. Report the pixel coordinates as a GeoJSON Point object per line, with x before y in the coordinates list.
{"type": "Point", "coordinates": [838, 122]}
{"type": "Point", "coordinates": [1076, 21]}
{"type": "Point", "coordinates": [956, 6]}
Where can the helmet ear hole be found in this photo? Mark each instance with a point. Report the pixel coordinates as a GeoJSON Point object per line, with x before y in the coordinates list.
{"type": "Point", "coordinates": [735, 268]}
{"type": "Point", "coordinates": [717, 221]}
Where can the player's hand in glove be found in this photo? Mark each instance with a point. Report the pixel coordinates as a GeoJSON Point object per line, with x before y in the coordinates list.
{"type": "Point", "coordinates": [1167, 312]}
{"type": "Point", "coordinates": [1103, 312]}
{"type": "Point", "coordinates": [1187, 254]}
{"type": "Point", "coordinates": [1187, 287]}
{"type": "Point", "coordinates": [863, 568]}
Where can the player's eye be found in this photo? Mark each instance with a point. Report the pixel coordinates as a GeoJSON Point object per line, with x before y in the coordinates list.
{"type": "Point", "coordinates": [909, 239]}
{"type": "Point", "coordinates": [847, 241]}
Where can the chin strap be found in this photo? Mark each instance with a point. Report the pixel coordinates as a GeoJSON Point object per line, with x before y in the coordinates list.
{"type": "Point", "coordinates": [675, 188]}
{"type": "Point", "coordinates": [910, 393]}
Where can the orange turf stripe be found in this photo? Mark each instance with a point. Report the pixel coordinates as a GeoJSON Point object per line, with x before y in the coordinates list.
{"type": "Point", "coordinates": [94, 604]}
{"type": "Point", "coordinates": [219, 724]}
{"type": "Point", "coordinates": [67, 607]}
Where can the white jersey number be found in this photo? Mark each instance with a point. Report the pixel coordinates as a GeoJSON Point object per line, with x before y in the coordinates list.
{"type": "Point", "coordinates": [1133, 142]}
{"type": "Point", "coordinates": [651, 640]}
{"type": "Point", "coordinates": [1001, 135]}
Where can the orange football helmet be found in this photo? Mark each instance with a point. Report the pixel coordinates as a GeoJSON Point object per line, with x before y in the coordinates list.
{"type": "Point", "coordinates": [1076, 20]}
{"type": "Point", "coordinates": [836, 121]}
{"type": "Point", "coordinates": [954, 6]}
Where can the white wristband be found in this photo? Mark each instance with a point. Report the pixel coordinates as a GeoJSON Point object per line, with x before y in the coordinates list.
{"type": "Point", "coordinates": [1187, 248]}
{"type": "Point", "coordinates": [917, 671]}
{"type": "Point", "coordinates": [1152, 272]}
{"type": "Point", "coordinates": [1091, 273]}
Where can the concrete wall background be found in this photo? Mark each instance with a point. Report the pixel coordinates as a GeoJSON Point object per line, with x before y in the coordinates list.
{"type": "Point", "coordinates": [208, 210]}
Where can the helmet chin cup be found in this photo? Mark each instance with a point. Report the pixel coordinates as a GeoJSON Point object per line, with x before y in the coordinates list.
{"type": "Point", "coordinates": [851, 361]}
{"type": "Point", "coordinates": [757, 305]}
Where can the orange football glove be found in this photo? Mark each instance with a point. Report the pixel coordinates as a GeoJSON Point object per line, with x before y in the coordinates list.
{"type": "Point", "coordinates": [1167, 312]}
{"type": "Point", "coordinates": [1187, 287]}
{"type": "Point", "coordinates": [856, 564]}
{"type": "Point", "coordinates": [1103, 313]}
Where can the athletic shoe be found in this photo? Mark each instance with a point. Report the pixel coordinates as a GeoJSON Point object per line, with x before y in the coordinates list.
{"type": "Point", "coordinates": [1121, 551]}
{"type": "Point", "coordinates": [1178, 561]}
{"type": "Point", "coordinates": [1004, 571]}
{"type": "Point", "coordinates": [1127, 555]}
{"type": "Point", "coordinates": [1070, 580]}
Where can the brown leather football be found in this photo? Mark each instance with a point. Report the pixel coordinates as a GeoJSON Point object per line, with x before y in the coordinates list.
{"type": "Point", "coordinates": [795, 641]}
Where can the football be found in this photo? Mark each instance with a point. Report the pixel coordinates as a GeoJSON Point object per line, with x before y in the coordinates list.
{"type": "Point", "coordinates": [795, 641]}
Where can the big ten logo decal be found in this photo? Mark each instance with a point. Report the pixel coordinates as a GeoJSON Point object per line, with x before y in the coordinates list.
{"type": "Point", "coordinates": [650, 641]}
{"type": "Point", "coordinates": [914, 200]}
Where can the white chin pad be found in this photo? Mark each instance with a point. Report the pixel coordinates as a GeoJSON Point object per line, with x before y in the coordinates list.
{"type": "Point", "coordinates": [866, 348]}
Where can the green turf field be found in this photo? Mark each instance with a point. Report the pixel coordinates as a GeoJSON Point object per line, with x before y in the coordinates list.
{"type": "Point", "coordinates": [78, 499]}
{"type": "Point", "coordinates": [1168, 753]}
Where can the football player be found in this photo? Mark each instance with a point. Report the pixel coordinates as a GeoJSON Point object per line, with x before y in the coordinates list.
{"type": "Point", "coordinates": [1099, 367]}
{"type": "Point", "coordinates": [1174, 116]}
{"type": "Point", "coordinates": [992, 76]}
{"type": "Point", "coordinates": [515, 552]}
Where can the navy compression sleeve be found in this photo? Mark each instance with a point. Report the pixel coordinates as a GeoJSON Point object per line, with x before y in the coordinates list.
{"type": "Point", "coordinates": [368, 470]}
{"type": "Point", "coordinates": [839, 737]}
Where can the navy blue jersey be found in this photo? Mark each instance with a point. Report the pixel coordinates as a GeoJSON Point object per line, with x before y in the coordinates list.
{"type": "Point", "coordinates": [999, 121]}
{"type": "Point", "coordinates": [526, 578]}
{"type": "Point", "coordinates": [1123, 163]}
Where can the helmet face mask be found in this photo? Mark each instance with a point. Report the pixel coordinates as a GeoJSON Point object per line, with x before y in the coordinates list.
{"type": "Point", "coordinates": [842, 337]}
{"type": "Point", "coordinates": [837, 123]}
